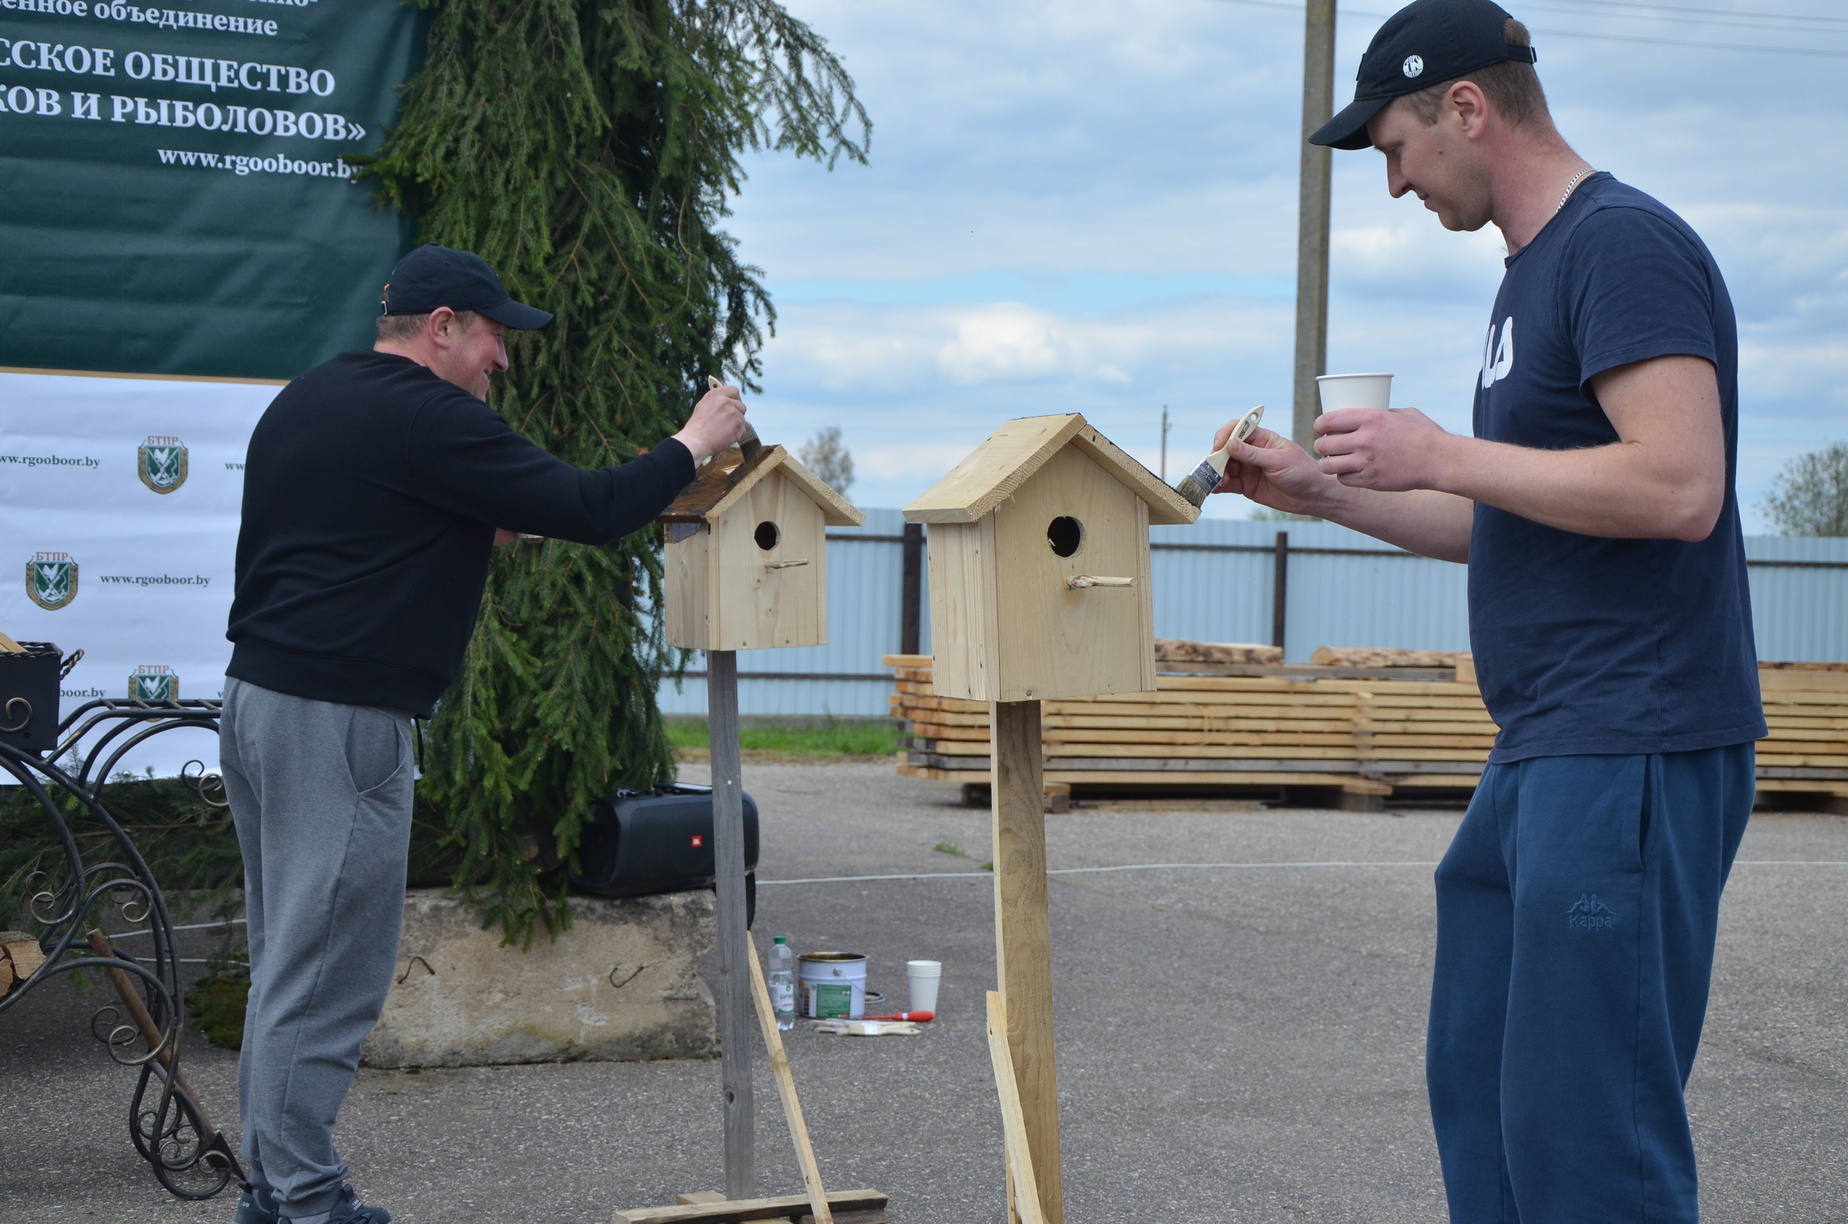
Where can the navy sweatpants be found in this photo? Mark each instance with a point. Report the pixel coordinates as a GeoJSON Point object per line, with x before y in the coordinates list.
{"type": "Point", "coordinates": [1576, 914]}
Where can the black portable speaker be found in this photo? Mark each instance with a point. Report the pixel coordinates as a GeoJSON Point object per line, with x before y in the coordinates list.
{"type": "Point", "coordinates": [638, 843]}
{"type": "Point", "coordinates": [29, 691]}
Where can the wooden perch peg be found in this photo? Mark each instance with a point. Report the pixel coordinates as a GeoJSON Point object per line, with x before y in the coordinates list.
{"type": "Point", "coordinates": [1080, 582]}
{"type": "Point", "coordinates": [785, 564]}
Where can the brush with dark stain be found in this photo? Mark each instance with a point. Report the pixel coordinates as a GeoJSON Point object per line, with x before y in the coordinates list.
{"type": "Point", "coordinates": [1204, 479]}
{"type": "Point", "coordinates": [748, 443]}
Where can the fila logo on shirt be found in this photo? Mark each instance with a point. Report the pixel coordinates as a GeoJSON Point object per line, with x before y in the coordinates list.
{"type": "Point", "coordinates": [1498, 354]}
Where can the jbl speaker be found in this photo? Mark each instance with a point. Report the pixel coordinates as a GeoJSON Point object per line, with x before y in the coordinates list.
{"type": "Point", "coordinates": [29, 690]}
{"type": "Point", "coordinates": [638, 843]}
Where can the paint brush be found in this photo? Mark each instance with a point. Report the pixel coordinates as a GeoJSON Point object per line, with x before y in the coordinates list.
{"type": "Point", "coordinates": [1205, 478]}
{"type": "Point", "coordinates": [911, 1015]}
{"type": "Point", "coordinates": [749, 445]}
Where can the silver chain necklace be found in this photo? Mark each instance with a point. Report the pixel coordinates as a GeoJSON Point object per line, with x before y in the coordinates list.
{"type": "Point", "coordinates": [1572, 186]}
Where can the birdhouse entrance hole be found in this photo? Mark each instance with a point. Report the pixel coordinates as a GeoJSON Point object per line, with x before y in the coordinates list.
{"type": "Point", "coordinates": [766, 535]}
{"type": "Point", "coordinates": [1065, 534]}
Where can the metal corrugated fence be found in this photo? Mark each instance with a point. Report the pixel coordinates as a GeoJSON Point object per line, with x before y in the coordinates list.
{"type": "Point", "coordinates": [1217, 581]}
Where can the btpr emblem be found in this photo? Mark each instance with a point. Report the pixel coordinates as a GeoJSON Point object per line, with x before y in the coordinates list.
{"type": "Point", "coordinates": [161, 463]}
{"type": "Point", "coordinates": [51, 580]}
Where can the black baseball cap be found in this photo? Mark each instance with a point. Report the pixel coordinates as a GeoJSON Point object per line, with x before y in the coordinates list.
{"type": "Point", "coordinates": [1425, 42]}
{"type": "Point", "coordinates": [433, 276]}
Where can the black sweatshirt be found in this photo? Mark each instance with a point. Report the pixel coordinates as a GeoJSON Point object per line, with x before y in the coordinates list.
{"type": "Point", "coordinates": [371, 493]}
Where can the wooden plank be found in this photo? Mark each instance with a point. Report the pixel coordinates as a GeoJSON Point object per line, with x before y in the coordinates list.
{"type": "Point", "coordinates": [1023, 950]}
{"type": "Point", "coordinates": [963, 616]}
{"type": "Point", "coordinates": [1055, 641]}
{"type": "Point", "coordinates": [993, 471]}
{"type": "Point", "coordinates": [1023, 1192]}
{"type": "Point", "coordinates": [735, 1211]}
{"type": "Point", "coordinates": [786, 1088]}
{"type": "Point", "coordinates": [921, 662]}
{"type": "Point", "coordinates": [1785, 680]}
{"type": "Point", "coordinates": [1272, 779]}
{"type": "Point", "coordinates": [1376, 656]}
{"type": "Point", "coordinates": [1145, 576]}
{"type": "Point", "coordinates": [1802, 786]}
{"type": "Point", "coordinates": [733, 995]}
{"type": "Point", "coordinates": [1217, 737]}
{"type": "Point", "coordinates": [686, 579]}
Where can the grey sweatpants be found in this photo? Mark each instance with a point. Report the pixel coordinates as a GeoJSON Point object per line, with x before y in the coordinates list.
{"type": "Point", "coordinates": [321, 795]}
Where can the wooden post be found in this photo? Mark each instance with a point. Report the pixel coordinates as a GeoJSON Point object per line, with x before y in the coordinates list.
{"type": "Point", "coordinates": [1313, 193]}
{"type": "Point", "coordinates": [911, 591]}
{"type": "Point", "coordinates": [1280, 590]}
{"type": "Point", "coordinates": [734, 996]}
{"type": "Point", "coordinates": [1023, 946]}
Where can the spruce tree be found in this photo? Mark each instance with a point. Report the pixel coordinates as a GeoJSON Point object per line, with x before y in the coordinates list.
{"type": "Point", "coordinates": [587, 149]}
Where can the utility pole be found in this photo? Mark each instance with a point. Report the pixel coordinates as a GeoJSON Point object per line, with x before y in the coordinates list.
{"type": "Point", "coordinates": [1164, 444]}
{"type": "Point", "coordinates": [1312, 218]}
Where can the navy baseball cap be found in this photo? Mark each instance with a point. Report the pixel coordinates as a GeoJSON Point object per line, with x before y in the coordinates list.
{"type": "Point", "coordinates": [1425, 42]}
{"type": "Point", "coordinates": [433, 276]}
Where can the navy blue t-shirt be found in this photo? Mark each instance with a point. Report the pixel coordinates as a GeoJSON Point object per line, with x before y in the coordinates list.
{"type": "Point", "coordinates": [1589, 645]}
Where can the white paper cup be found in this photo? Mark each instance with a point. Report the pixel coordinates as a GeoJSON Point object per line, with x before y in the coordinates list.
{"type": "Point", "coordinates": [1355, 391]}
{"type": "Point", "coordinates": [924, 976]}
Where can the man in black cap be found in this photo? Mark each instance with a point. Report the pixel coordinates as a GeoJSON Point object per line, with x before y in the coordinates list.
{"type": "Point", "coordinates": [375, 487]}
{"type": "Point", "coordinates": [1611, 623]}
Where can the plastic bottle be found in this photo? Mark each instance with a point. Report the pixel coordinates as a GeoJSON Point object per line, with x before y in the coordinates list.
{"type": "Point", "coordinates": [783, 983]}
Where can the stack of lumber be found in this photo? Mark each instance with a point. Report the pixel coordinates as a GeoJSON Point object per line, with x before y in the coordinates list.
{"type": "Point", "coordinates": [1806, 709]}
{"type": "Point", "coordinates": [1364, 721]}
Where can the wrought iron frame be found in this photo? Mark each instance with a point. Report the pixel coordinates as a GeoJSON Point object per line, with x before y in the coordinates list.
{"type": "Point", "coordinates": [168, 1125]}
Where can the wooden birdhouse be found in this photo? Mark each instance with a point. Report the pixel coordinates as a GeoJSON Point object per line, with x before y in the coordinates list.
{"type": "Point", "coordinates": [747, 563]}
{"type": "Point", "coordinates": [1039, 565]}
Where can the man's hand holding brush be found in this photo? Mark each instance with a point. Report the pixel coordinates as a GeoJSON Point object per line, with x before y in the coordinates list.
{"type": "Point", "coordinates": [1275, 472]}
{"type": "Point", "coordinates": [716, 424]}
{"type": "Point", "coordinates": [1272, 471]}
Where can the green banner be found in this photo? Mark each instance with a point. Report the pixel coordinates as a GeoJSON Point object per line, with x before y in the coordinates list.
{"type": "Point", "coordinates": [174, 186]}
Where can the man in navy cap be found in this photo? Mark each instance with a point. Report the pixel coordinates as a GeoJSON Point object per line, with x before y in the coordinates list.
{"type": "Point", "coordinates": [375, 487]}
{"type": "Point", "coordinates": [1611, 623]}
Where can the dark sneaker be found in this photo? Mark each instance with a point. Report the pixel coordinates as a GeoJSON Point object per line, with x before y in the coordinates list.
{"type": "Point", "coordinates": [349, 1210]}
{"type": "Point", "coordinates": [255, 1206]}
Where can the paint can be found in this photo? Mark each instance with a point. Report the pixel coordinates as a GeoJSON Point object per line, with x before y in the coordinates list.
{"type": "Point", "coordinates": [833, 985]}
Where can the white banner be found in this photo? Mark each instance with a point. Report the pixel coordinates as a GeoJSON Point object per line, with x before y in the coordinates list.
{"type": "Point", "coordinates": [119, 505]}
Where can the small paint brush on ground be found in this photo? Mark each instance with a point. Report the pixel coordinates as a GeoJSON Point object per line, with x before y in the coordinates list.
{"type": "Point", "coordinates": [866, 1028]}
{"type": "Point", "coordinates": [1205, 478]}
{"type": "Point", "coordinates": [910, 1015]}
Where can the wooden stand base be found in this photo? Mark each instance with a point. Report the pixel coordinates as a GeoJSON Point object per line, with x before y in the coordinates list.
{"type": "Point", "coordinates": [849, 1207]}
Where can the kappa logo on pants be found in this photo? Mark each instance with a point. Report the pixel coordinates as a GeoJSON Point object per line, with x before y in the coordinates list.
{"type": "Point", "coordinates": [1590, 914]}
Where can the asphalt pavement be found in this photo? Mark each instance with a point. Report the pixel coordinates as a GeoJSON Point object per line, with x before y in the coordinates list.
{"type": "Point", "coordinates": [1240, 1042]}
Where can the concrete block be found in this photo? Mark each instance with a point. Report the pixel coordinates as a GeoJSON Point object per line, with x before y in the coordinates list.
{"type": "Point", "coordinates": [620, 986]}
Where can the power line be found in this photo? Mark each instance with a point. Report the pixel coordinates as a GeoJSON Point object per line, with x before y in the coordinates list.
{"type": "Point", "coordinates": [1284, 6]}
{"type": "Point", "coordinates": [1604, 6]}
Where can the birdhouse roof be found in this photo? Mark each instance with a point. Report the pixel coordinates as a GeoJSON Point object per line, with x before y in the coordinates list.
{"type": "Point", "coordinates": [993, 471]}
{"type": "Point", "coordinates": [722, 483]}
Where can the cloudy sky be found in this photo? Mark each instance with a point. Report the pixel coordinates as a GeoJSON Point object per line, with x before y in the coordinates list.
{"type": "Point", "coordinates": [1090, 205]}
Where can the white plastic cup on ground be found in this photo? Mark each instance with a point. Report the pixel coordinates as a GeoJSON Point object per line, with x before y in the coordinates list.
{"type": "Point", "coordinates": [924, 976]}
{"type": "Point", "coordinates": [1355, 391]}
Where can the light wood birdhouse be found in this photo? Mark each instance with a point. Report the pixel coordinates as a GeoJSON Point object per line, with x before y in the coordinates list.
{"type": "Point", "coordinates": [747, 562]}
{"type": "Point", "coordinates": [1039, 565]}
